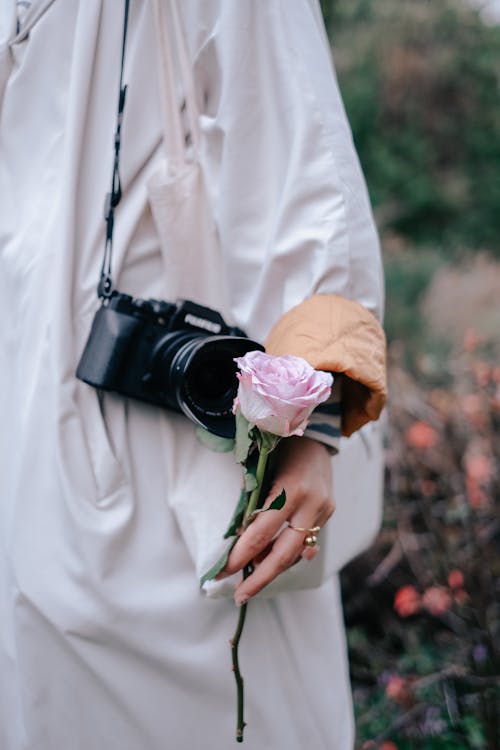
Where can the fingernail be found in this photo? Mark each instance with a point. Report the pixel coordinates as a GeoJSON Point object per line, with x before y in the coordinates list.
{"type": "Point", "coordinates": [309, 553]}
{"type": "Point", "coordinates": [241, 599]}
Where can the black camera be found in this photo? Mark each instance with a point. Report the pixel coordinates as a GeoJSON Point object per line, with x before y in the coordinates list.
{"type": "Point", "coordinates": [178, 356]}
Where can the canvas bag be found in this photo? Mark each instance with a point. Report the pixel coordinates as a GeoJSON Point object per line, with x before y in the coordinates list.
{"type": "Point", "coordinates": [204, 486]}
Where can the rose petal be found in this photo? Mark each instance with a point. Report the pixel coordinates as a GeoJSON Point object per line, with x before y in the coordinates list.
{"type": "Point", "coordinates": [278, 394]}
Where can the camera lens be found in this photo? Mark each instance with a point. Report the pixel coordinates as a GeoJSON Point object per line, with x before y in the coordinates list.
{"type": "Point", "coordinates": [196, 374]}
{"type": "Point", "coordinates": [210, 382]}
{"type": "Point", "coordinates": [204, 377]}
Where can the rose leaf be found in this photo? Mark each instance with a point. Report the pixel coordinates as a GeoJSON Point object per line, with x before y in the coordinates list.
{"type": "Point", "coordinates": [250, 480]}
{"type": "Point", "coordinates": [243, 440]}
{"type": "Point", "coordinates": [237, 517]}
{"type": "Point", "coordinates": [276, 504]}
{"type": "Point", "coordinates": [219, 565]}
{"type": "Point", "coordinates": [214, 442]}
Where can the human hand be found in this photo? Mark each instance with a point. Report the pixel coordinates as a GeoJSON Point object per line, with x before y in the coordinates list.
{"type": "Point", "coordinates": [304, 470]}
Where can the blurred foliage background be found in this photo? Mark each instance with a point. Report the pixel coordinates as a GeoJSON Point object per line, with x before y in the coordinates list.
{"type": "Point", "coordinates": [420, 81]}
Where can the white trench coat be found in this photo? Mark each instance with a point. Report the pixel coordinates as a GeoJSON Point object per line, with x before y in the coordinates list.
{"type": "Point", "coordinates": [106, 641]}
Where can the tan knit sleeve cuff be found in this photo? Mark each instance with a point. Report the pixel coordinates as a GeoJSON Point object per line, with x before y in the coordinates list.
{"type": "Point", "coordinates": [338, 335]}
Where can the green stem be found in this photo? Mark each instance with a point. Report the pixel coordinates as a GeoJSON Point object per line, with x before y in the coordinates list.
{"type": "Point", "coordinates": [247, 570]}
{"type": "Point", "coordinates": [255, 496]}
{"type": "Point", "coordinates": [240, 720]}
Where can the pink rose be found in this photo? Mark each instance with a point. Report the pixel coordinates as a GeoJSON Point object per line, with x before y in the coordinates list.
{"type": "Point", "coordinates": [278, 394]}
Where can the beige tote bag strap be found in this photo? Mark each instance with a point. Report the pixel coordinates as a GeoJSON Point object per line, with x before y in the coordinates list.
{"type": "Point", "coordinates": [173, 57]}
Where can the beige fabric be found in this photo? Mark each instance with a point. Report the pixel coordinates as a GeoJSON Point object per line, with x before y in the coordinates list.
{"type": "Point", "coordinates": [336, 334]}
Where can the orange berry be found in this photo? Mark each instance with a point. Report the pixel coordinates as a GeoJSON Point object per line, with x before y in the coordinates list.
{"type": "Point", "coordinates": [407, 601]}
{"type": "Point", "coordinates": [436, 600]}
{"type": "Point", "coordinates": [421, 435]}
{"type": "Point", "coordinates": [455, 579]}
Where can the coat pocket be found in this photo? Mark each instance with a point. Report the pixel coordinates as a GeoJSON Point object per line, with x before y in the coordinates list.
{"type": "Point", "coordinates": [93, 434]}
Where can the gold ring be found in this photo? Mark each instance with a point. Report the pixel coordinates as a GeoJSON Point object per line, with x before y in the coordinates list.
{"type": "Point", "coordinates": [314, 530]}
{"type": "Point", "coordinates": [311, 541]}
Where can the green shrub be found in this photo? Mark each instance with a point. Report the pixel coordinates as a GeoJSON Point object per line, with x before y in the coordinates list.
{"type": "Point", "coordinates": [420, 82]}
{"type": "Point", "coordinates": [407, 277]}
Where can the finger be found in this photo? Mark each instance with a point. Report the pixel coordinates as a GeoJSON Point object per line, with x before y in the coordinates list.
{"type": "Point", "coordinates": [258, 536]}
{"type": "Point", "coordinates": [323, 515]}
{"type": "Point", "coordinates": [287, 547]}
{"type": "Point", "coordinates": [258, 558]}
{"type": "Point", "coordinates": [309, 553]}
{"type": "Point", "coordinates": [286, 557]}
{"type": "Point", "coordinates": [296, 522]}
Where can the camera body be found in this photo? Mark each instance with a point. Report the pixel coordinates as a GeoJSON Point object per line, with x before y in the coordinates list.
{"type": "Point", "coordinates": [178, 356]}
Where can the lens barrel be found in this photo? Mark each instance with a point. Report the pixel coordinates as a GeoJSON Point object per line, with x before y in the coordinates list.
{"type": "Point", "coordinates": [198, 373]}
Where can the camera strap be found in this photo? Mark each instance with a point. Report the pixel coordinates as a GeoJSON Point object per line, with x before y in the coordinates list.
{"type": "Point", "coordinates": [105, 286]}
